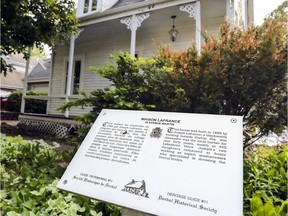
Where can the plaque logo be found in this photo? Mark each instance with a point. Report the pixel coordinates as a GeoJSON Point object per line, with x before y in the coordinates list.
{"type": "Point", "coordinates": [156, 132]}
{"type": "Point", "coordinates": [137, 188]}
{"type": "Point", "coordinates": [170, 130]}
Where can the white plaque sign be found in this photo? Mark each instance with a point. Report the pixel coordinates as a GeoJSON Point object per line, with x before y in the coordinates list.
{"type": "Point", "coordinates": [161, 163]}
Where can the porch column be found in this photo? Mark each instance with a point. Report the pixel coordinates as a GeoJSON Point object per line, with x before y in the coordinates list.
{"type": "Point", "coordinates": [70, 67]}
{"type": "Point", "coordinates": [229, 11]}
{"type": "Point", "coordinates": [25, 82]}
{"type": "Point", "coordinates": [133, 23]}
{"type": "Point", "coordinates": [70, 71]}
{"type": "Point", "coordinates": [194, 11]}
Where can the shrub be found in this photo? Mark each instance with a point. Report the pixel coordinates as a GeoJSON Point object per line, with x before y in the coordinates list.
{"type": "Point", "coordinates": [31, 105]}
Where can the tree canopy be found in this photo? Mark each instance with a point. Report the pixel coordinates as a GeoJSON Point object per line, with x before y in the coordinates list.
{"type": "Point", "coordinates": [28, 23]}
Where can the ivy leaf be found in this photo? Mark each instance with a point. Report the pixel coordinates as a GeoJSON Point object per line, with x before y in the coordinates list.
{"type": "Point", "coordinates": [269, 209]}
{"type": "Point", "coordinates": [256, 203]}
{"type": "Point", "coordinates": [284, 208]}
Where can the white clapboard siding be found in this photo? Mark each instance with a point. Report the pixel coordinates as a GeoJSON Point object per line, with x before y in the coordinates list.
{"type": "Point", "coordinates": [40, 87]}
{"type": "Point", "coordinates": [55, 103]}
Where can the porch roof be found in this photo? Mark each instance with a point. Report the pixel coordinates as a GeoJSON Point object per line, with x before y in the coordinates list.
{"type": "Point", "coordinates": [41, 70]}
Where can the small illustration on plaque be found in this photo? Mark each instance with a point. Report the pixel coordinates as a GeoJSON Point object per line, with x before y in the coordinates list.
{"type": "Point", "coordinates": [156, 132]}
{"type": "Point", "coordinates": [137, 188]}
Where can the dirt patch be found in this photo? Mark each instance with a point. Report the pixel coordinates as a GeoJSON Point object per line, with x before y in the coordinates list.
{"type": "Point", "coordinates": [11, 129]}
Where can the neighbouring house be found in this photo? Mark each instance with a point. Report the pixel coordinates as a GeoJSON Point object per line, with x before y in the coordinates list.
{"type": "Point", "coordinates": [38, 78]}
{"type": "Point", "coordinates": [14, 80]}
{"type": "Point", "coordinates": [135, 26]}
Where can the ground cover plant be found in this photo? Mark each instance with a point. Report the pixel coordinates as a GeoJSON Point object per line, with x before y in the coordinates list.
{"type": "Point", "coordinates": [265, 180]}
{"type": "Point", "coordinates": [30, 171]}
{"type": "Point", "coordinates": [29, 174]}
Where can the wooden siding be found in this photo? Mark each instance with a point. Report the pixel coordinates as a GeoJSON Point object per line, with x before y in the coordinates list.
{"type": "Point", "coordinates": [41, 87]}
{"type": "Point", "coordinates": [55, 103]}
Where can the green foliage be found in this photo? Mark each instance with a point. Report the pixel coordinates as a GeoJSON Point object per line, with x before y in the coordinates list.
{"type": "Point", "coordinates": [265, 181]}
{"type": "Point", "coordinates": [36, 51]}
{"type": "Point", "coordinates": [26, 23]}
{"type": "Point", "coordinates": [31, 105]}
{"type": "Point", "coordinates": [30, 171]}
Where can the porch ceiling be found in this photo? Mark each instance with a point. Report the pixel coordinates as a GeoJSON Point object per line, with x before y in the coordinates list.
{"type": "Point", "coordinates": [210, 9]}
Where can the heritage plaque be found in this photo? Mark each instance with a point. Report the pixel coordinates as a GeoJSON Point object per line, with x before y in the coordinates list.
{"type": "Point", "coordinates": [161, 163]}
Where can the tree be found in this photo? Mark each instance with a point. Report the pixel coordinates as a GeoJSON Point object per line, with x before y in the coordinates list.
{"type": "Point", "coordinates": [28, 23]}
{"type": "Point", "coordinates": [38, 52]}
{"type": "Point", "coordinates": [239, 72]}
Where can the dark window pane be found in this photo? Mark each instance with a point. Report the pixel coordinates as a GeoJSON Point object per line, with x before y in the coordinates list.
{"type": "Point", "coordinates": [77, 71]}
{"type": "Point", "coordinates": [86, 6]}
{"type": "Point", "coordinates": [66, 77]}
{"type": "Point", "coordinates": [94, 5]}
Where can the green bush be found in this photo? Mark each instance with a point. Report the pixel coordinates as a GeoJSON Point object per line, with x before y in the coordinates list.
{"type": "Point", "coordinates": [30, 171]}
{"type": "Point", "coordinates": [265, 181]}
{"type": "Point", "coordinates": [31, 105]}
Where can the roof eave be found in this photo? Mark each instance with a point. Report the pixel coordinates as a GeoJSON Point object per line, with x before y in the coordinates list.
{"type": "Point", "coordinates": [40, 79]}
{"type": "Point", "coordinates": [136, 8]}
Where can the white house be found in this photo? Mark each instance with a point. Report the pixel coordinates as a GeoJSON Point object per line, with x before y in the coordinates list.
{"type": "Point", "coordinates": [135, 26]}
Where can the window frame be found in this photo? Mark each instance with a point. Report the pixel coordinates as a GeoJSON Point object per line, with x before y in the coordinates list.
{"type": "Point", "coordinates": [86, 6]}
{"type": "Point", "coordinates": [65, 74]}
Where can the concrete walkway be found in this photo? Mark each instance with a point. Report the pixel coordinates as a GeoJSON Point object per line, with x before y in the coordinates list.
{"type": "Point", "coordinates": [10, 122]}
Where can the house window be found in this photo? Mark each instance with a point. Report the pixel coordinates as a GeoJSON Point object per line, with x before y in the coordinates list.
{"type": "Point", "coordinates": [94, 5]}
{"type": "Point", "coordinates": [86, 6]}
{"type": "Point", "coordinates": [90, 5]}
{"type": "Point", "coordinates": [76, 74]}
